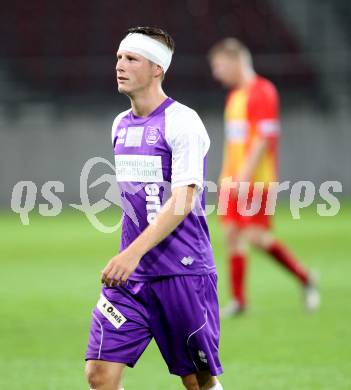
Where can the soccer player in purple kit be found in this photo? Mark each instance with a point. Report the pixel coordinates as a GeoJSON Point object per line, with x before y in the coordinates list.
{"type": "Point", "coordinates": [163, 283]}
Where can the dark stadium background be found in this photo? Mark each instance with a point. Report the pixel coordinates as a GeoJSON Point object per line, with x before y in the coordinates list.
{"type": "Point", "coordinates": [58, 92]}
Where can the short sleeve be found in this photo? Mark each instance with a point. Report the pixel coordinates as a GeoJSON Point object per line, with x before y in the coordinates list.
{"type": "Point", "coordinates": [114, 129]}
{"type": "Point", "coordinates": [115, 124]}
{"type": "Point", "coordinates": [264, 110]}
{"type": "Point", "coordinates": [189, 143]}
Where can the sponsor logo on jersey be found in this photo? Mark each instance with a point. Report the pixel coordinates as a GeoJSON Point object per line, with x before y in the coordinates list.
{"type": "Point", "coordinates": [152, 135]}
{"type": "Point", "coordinates": [138, 168]}
{"type": "Point", "coordinates": [134, 136]}
{"type": "Point", "coordinates": [121, 136]}
{"type": "Point", "coordinates": [153, 201]}
{"type": "Point", "coordinates": [187, 260]}
{"type": "Point", "coordinates": [106, 308]}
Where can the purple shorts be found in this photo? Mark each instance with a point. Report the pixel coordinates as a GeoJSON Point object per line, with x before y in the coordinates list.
{"type": "Point", "coordinates": [180, 312]}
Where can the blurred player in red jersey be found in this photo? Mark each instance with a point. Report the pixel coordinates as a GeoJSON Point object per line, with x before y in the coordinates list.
{"type": "Point", "coordinates": [250, 155]}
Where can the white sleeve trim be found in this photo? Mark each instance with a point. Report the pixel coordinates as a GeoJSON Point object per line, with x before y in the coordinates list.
{"type": "Point", "coordinates": [268, 127]}
{"type": "Point", "coordinates": [236, 130]}
{"type": "Point", "coordinates": [189, 142]}
{"type": "Point", "coordinates": [116, 123]}
{"type": "Point", "coordinates": [199, 184]}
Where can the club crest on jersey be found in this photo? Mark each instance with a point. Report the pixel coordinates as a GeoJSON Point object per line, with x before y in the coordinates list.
{"type": "Point", "coordinates": [152, 135]}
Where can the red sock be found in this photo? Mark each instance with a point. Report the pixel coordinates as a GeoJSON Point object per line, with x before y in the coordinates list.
{"type": "Point", "coordinates": [288, 261]}
{"type": "Point", "coordinates": [238, 274]}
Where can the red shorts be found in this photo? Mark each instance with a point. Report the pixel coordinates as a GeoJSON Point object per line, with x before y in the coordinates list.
{"type": "Point", "coordinates": [236, 211]}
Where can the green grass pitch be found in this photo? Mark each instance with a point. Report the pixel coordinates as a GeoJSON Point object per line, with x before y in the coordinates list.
{"type": "Point", "coordinates": [50, 283]}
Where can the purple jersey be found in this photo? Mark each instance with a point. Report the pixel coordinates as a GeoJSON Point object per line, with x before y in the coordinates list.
{"type": "Point", "coordinates": [153, 155]}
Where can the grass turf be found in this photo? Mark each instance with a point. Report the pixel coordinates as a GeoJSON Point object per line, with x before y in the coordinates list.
{"type": "Point", "coordinates": [50, 282]}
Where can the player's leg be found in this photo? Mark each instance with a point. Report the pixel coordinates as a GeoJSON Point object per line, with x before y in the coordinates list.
{"type": "Point", "coordinates": [202, 380]}
{"type": "Point", "coordinates": [119, 334]}
{"type": "Point", "coordinates": [207, 381]}
{"type": "Point", "coordinates": [190, 382]}
{"type": "Point", "coordinates": [237, 250]}
{"type": "Point", "coordinates": [263, 239]}
{"type": "Point", "coordinates": [186, 327]}
{"type": "Point", "coordinates": [259, 232]}
{"type": "Point", "coordinates": [102, 375]}
{"type": "Point", "coordinates": [237, 245]}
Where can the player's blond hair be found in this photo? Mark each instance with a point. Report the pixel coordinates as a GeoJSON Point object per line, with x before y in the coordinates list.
{"type": "Point", "coordinates": [231, 47]}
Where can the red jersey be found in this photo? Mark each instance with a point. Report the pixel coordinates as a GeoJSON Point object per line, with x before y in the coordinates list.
{"type": "Point", "coordinates": [252, 113]}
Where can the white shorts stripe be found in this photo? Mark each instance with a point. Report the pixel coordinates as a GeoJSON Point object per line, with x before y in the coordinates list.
{"type": "Point", "coordinates": [102, 335]}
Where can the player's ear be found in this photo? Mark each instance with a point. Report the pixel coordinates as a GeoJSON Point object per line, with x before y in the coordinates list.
{"type": "Point", "coordinates": [158, 71]}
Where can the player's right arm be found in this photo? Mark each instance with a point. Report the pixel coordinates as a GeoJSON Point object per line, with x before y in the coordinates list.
{"type": "Point", "coordinates": [225, 168]}
{"type": "Point", "coordinates": [263, 107]}
{"type": "Point", "coordinates": [262, 118]}
{"type": "Point", "coordinates": [251, 163]}
{"type": "Point", "coordinates": [172, 214]}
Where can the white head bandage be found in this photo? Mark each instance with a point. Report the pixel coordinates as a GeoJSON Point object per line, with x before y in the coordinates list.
{"type": "Point", "coordinates": [150, 48]}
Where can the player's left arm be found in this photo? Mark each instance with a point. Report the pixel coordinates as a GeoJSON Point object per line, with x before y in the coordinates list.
{"type": "Point", "coordinates": [263, 110]}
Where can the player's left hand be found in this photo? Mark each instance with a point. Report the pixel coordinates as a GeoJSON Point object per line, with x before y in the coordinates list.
{"type": "Point", "coordinates": [119, 268]}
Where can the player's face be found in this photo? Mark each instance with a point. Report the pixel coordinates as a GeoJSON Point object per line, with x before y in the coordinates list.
{"type": "Point", "coordinates": [226, 69]}
{"type": "Point", "coordinates": [133, 72]}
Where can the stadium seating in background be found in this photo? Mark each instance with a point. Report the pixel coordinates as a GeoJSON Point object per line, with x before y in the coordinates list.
{"type": "Point", "coordinates": [65, 47]}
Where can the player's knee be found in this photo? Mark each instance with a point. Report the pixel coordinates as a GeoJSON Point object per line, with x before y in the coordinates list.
{"type": "Point", "coordinates": [261, 239]}
{"type": "Point", "coordinates": [96, 375]}
{"type": "Point", "coordinates": [238, 244]}
{"type": "Point", "coordinates": [230, 233]}
{"type": "Point", "coordinates": [190, 382]}
{"type": "Point", "coordinates": [256, 241]}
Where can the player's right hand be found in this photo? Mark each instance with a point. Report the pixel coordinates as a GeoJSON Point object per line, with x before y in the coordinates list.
{"type": "Point", "coordinates": [119, 268]}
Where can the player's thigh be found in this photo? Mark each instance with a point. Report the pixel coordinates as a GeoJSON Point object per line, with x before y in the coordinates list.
{"type": "Point", "coordinates": [102, 373]}
{"type": "Point", "coordinates": [259, 236]}
{"type": "Point", "coordinates": [236, 240]}
{"type": "Point", "coordinates": [186, 327]}
{"type": "Point", "coordinates": [119, 329]}
{"type": "Point", "coordinates": [230, 230]}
